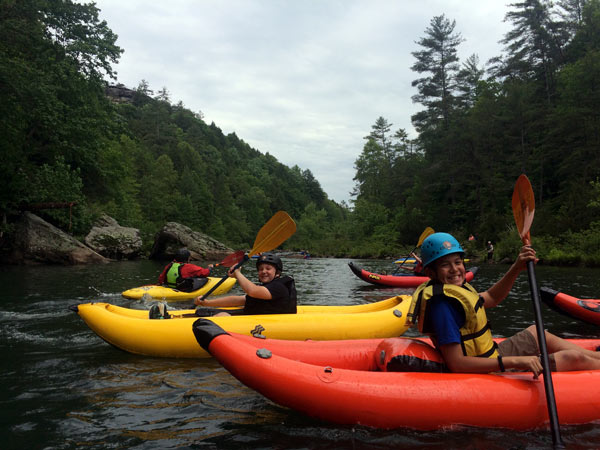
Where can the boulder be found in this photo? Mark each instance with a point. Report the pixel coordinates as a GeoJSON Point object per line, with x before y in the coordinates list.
{"type": "Point", "coordinates": [174, 236]}
{"type": "Point", "coordinates": [35, 241]}
{"type": "Point", "coordinates": [106, 221]}
{"type": "Point", "coordinates": [112, 240]}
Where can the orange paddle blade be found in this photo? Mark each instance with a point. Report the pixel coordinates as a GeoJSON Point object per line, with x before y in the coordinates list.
{"type": "Point", "coordinates": [523, 206]}
{"type": "Point", "coordinates": [273, 233]}
{"type": "Point", "coordinates": [232, 260]}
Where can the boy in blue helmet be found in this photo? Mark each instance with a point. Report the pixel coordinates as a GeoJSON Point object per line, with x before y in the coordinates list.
{"type": "Point", "coordinates": [275, 294]}
{"type": "Point", "coordinates": [453, 313]}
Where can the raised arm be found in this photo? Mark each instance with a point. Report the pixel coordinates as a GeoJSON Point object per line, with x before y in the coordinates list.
{"type": "Point", "coordinates": [498, 292]}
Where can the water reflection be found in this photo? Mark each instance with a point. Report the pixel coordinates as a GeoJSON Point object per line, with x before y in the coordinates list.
{"type": "Point", "coordinates": [63, 387]}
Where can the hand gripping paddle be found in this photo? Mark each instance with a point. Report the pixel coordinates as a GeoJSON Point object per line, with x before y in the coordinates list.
{"type": "Point", "coordinates": [273, 233]}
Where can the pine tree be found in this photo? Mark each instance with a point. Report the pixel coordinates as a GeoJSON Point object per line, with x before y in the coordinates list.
{"type": "Point", "coordinates": [439, 60]}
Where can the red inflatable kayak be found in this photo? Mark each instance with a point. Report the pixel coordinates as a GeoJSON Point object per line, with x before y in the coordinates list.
{"type": "Point", "coordinates": [398, 280]}
{"type": "Point", "coordinates": [587, 310]}
{"type": "Point", "coordinates": [347, 382]}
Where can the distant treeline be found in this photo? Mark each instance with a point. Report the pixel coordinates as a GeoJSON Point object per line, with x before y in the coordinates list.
{"type": "Point", "coordinates": [535, 109]}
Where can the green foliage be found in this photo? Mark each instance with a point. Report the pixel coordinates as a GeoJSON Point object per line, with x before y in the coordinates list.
{"type": "Point", "coordinates": [537, 113]}
{"type": "Point", "coordinates": [151, 161]}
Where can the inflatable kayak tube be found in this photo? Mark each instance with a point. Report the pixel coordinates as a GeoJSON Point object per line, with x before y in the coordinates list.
{"type": "Point", "coordinates": [131, 330]}
{"type": "Point", "coordinates": [398, 280]}
{"type": "Point", "coordinates": [155, 291]}
{"type": "Point", "coordinates": [346, 383]}
{"type": "Point", "coordinates": [412, 261]}
{"type": "Point", "coordinates": [587, 310]}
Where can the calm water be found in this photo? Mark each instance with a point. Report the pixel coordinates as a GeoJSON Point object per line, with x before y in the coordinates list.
{"type": "Point", "coordinates": [63, 387]}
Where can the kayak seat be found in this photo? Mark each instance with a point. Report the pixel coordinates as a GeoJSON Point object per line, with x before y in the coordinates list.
{"type": "Point", "coordinates": [408, 355]}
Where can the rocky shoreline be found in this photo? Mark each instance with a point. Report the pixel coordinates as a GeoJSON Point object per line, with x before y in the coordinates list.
{"type": "Point", "coordinates": [35, 241]}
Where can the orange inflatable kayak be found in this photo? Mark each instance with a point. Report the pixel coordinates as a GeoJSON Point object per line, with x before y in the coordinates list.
{"type": "Point", "coordinates": [587, 310]}
{"type": "Point", "coordinates": [347, 382]}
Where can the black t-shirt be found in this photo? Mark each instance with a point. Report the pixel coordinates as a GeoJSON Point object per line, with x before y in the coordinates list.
{"type": "Point", "coordinates": [283, 298]}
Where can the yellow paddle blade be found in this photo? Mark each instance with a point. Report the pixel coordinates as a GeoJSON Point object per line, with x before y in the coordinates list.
{"type": "Point", "coordinates": [523, 206]}
{"type": "Point", "coordinates": [279, 227]}
{"type": "Point", "coordinates": [427, 232]}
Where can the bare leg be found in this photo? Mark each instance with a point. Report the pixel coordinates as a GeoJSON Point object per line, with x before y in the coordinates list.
{"type": "Point", "coordinates": [567, 360]}
{"type": "Point", "coordinates": [555, 344]}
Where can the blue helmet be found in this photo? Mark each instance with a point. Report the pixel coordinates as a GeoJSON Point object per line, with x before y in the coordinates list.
{"type": "Point", "coordinates": [438, 245]}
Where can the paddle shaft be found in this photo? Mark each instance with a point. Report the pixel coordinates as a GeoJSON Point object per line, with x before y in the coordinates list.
{"type": "Point", "coordinates": [222, 280]}
{"type": "Point", "coordinates": [548, 385]}
{"type": "Point", "coordinates": [402, 263]}
{"type": "Point", "coordinates": [412, 251]}
{"type": "Point", "coordinates": [426, 232]}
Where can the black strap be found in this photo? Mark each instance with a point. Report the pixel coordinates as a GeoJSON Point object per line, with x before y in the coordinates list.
{"type": "Point", "coordinates": [479, 303]}
{"type": "Point", "coordinates": [413, 317]}
{"type": "Point", "coordinates": [468, 337]}
{"type": "Point", "coordinates": [501, 364]}
{"type": "Point", "coordinates": [471, 336]}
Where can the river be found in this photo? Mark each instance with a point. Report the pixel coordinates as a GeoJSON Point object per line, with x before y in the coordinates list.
{"type": "Point", "coordinates": [63, 387]}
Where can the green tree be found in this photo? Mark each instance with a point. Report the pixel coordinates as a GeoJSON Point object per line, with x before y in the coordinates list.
{"type": "Point", "coordinates": [535, 45]}
{"type": "Point", "coordinates": [118, 190]}
{"type": "Point", "coordinates": [438, 60]}
{"type": "Point", "coordinates": [53, 56]}
{"type": "Point", "coordinates": [467, 82]}
{"type": "Point", "coordinates": [159, 191]}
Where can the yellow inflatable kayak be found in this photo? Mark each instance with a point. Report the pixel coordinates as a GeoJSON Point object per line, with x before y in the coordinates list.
{"type": "Point", "coordinates": [173, 295]}
{"type": "Point", "coordinates": [131, 329]}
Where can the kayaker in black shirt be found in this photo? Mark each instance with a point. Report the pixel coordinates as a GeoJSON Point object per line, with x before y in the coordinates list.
{"type": "Point", "coordinates": [275, 294]}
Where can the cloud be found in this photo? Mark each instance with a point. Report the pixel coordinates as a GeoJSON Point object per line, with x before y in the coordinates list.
{"type": "Point", "coordinates": [303, 81]}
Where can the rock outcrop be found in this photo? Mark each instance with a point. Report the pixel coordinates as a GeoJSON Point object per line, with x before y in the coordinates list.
{"type": "Point", "coordinates": [35, 241]}
{"type": "Point", "coordinates": [173, 236]}
{"type": "Point", "coordinates": [111, 240]}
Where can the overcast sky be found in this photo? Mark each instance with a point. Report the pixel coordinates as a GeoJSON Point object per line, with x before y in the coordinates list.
{"type": "Point", "coordinates": [303, 80]}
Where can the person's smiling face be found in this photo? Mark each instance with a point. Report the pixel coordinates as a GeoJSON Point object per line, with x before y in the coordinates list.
{"type": "Point", "coordinates": [266, 273]}
{"type": "Point", "coordinates": [450, 269]}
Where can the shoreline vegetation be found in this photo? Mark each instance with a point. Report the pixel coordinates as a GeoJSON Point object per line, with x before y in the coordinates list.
{"type": "Point", "coordinates": [98, 147]}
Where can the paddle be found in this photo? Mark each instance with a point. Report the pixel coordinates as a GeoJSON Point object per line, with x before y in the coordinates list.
{"type": "Point", "coordinates": [231, 260]}
{"type": "Point", "coordinates": [523, 206]}
{"type": "Point", "coordinates": [272, 234]}
{"type": "Point", "coordinates": [426, 232]}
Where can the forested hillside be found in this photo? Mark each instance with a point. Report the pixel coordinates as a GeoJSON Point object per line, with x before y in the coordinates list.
{"type": "Point", "coordinates": [143, 162]}
{"type": "Point", "coordinates": [534, 109]}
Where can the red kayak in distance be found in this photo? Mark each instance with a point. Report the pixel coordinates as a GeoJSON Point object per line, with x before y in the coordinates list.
{"type": "Point", "coordinates": [397, 280]}
{"type": "Point", "coordinates": [587, 310]}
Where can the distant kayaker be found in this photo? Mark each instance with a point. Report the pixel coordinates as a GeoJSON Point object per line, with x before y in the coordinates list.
{"type": "Point", "coordinates": [275, 294]}
{"type": "Point", "coordinates": [182, 275]}
{"type": "Point", "coordinates": [449, 309]}
{"type": "Point", "coordinates": [490, 252]}
{"type": "Point", "coordinates": [417, 269]}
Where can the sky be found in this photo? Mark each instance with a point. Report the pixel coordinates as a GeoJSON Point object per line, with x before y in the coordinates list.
{"type": "Point", "coordinates": [302, 80]}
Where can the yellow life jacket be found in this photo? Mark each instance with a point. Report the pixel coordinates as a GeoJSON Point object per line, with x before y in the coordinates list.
{"type": "Point", "coordinates": [476, 336]}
